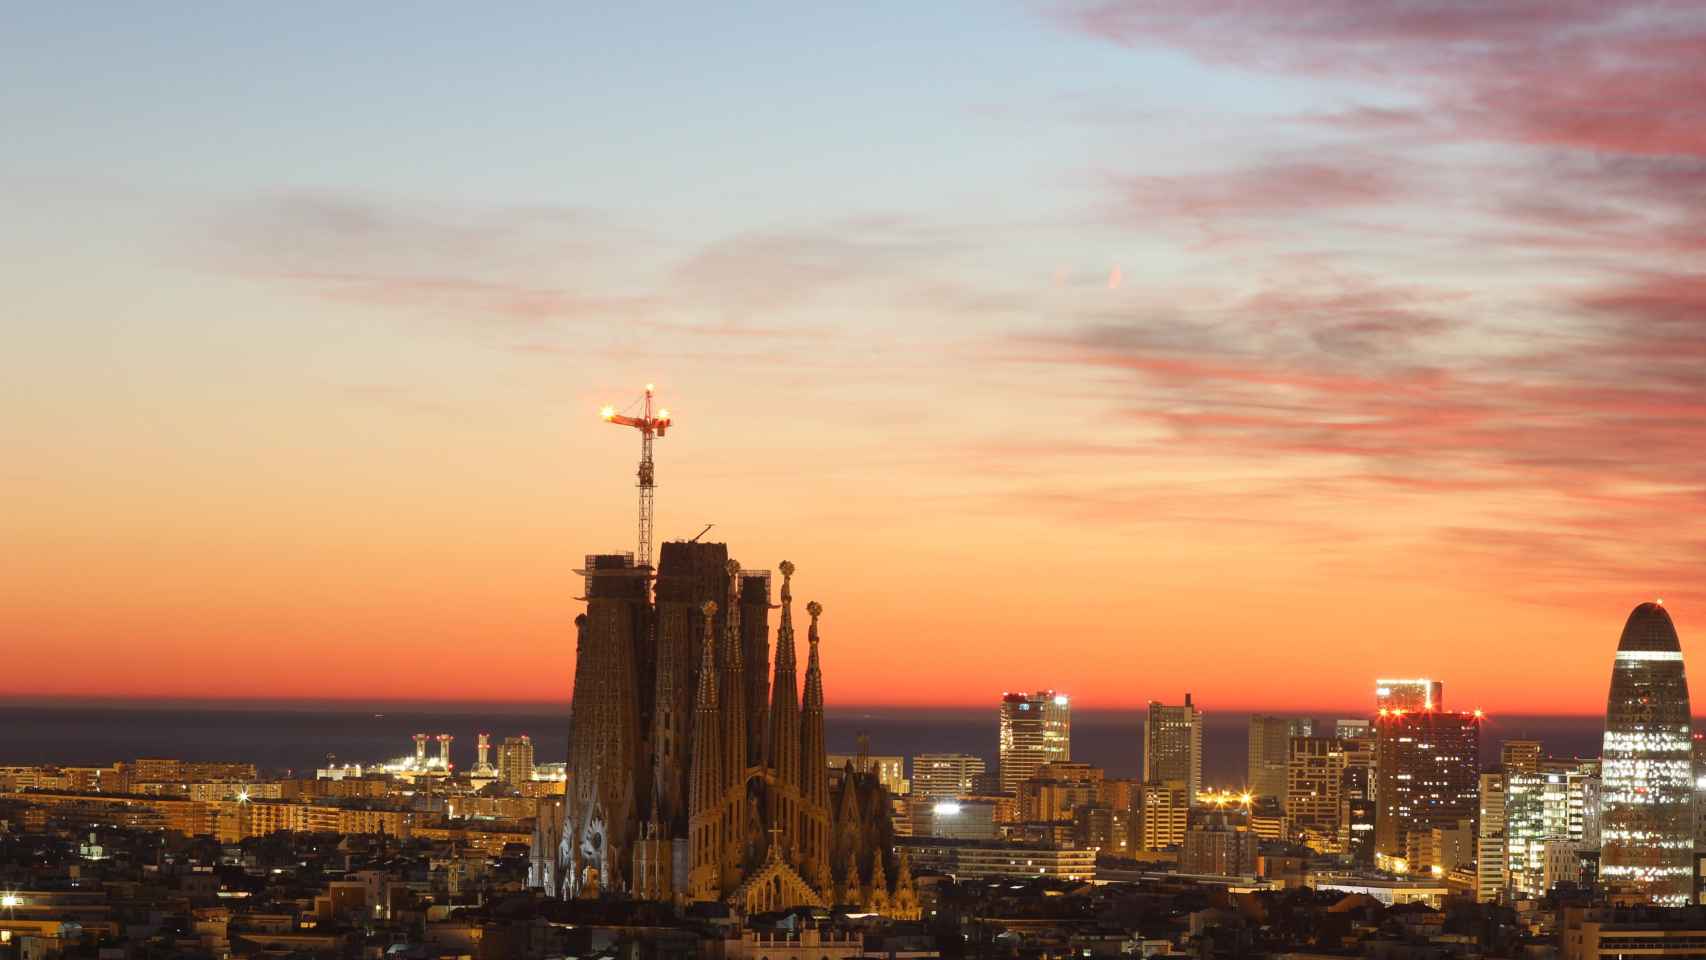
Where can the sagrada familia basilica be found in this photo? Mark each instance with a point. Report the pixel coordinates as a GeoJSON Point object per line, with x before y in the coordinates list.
{"type": "Point", "coordinates": [694, 773]}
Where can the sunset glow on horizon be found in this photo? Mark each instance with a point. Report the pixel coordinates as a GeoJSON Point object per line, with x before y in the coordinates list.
{"type": "Point", "coordinates": [1226, 349]}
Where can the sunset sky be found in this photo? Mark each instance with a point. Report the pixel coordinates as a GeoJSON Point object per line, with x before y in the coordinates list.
{"type": "Point", "coordinates": [1124, 348]}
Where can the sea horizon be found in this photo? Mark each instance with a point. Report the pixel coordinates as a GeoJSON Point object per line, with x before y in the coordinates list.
{"type": "Point", "coordinates": [298, 736]}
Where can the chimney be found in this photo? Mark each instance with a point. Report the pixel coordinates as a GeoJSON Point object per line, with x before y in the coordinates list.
{"type": "Point", "coordinates": [420, 749]}
{"type": "Point", "coordinates": [485, 748]}
{"type": "Point", "coordinates": [444, 750]}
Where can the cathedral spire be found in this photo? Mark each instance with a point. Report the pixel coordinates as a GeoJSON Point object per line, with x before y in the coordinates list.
{"type": "Point", "coordinates": [784, 739]}
{"type": "Point", "coordinates": [814, 769]}
{"type": "Point", "coordinates": [704, 825]}
{"type": "Point", "coordinates": [785, 699]}
{"type": "Point", "coordinates": [707, 698]}
{"type": "Point", "coordinates": [814, 672]}
{"type": "Point", "coordinates": [733, 683]}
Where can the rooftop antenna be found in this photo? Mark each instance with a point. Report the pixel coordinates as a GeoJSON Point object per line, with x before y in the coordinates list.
{"type": "Point", "coordinates": [648, 425]}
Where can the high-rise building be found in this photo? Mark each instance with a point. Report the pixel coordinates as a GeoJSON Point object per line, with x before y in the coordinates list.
{"type": "Point", "coordinates": [1409, 695]}
{"type": "Point", "coordinates": [943, 776]}
{"type": "Point", "coordinates": [1520, 756]}
{"type": "Point", "coordinates": [1314, 791]}
{"type": "Point", "coordinates": [1537, 813]}
{"type": "Point", "coordinates": [1647, 799]}
{"type": "Point", "coordinates": [1163, 813]}
{"type": "Point", "coordinates": [1354, 729]}
{"type": "Point", "coordinates": [1035, 729]}
{"type": "Point", "coordinates": [1429, 767]}
{"type": "Point", "coordinates": [1270, 739]}
{"type": "Point", "coordinates": [1358, 807]}
{"type": "Point", "coordinates": [1492, 862]}
{"type": "Point", "coordinates": [1172, 745]}
{"type": "Point", "coordinates": [515, 760]}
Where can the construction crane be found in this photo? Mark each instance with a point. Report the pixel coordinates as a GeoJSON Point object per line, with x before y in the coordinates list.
{"type": "Point", "coordinates": [649, 426]}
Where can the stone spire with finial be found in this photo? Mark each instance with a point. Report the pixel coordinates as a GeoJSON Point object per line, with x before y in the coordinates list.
{"type": "Point", "coordinates": [814, 767]}
{"type": "Point", "coordinates": [784, 738]}
{"type": "Point", "coordinates": [733, 684]}
{"type": "Point", "coordinates": [784, 692]}
{"type": "Point", "coordinates": [705, 797]}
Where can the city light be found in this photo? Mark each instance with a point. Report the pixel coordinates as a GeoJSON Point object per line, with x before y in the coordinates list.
{"type": "Point", "coordinates": [946, 808]}
{"type": "Point", "coordinates": [10, 900]}
{"type": "Point", "coordinates": [607, 412]}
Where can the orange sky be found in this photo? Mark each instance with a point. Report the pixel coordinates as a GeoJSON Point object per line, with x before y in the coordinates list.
{"type": "Point", "coordinates": [1255, 361]}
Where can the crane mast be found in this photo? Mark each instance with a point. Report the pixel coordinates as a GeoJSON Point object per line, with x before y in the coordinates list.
{"type": "Point", "coordinates": [649, 426]}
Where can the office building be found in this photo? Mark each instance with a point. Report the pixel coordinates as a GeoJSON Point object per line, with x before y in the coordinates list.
{"type": "Point", "coordinates": [1035, 729]}
{"type": "Point", "coordinates": [1428, 775]}
{"type": "Point", "coordinates": [1537, 814]}
{"type": "Point", "coordinates": [1409, 695]}
{"type": "Point", "coordinates": [998, 859]}
{"type": "Point", "coordinates": [1270, 739]}
{"type": "Point", "coordinates": [945, 775]}
{"type": "Point", "coordinates": [956, 819]}
{"type": "Point", "coordinates": [1355, 729]}
{"type": "Point", "coordinates": [1647, 767]}
{"type": "Point", "coordinates": [1314, 791]}
{"type": "Point", "coordinates": [1492, 859]}
{"type": "Point", "coordinates": [1163, 815]}
{"type": "Point", "coordinates": [1172, 745]}
{"type": "Point", "coordinates": [1520, 756]}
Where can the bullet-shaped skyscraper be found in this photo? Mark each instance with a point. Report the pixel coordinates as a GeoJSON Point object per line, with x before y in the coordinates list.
{"type": "Point", "coordinates": [1647, 799]}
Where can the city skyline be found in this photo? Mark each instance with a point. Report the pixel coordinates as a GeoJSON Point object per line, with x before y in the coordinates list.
{"type": "Point", "coordinates": [1369, 329]}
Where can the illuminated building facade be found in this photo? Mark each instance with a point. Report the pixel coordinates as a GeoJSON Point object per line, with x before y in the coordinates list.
{"type": "Point", "coordinates": [1429, 768]}
{"type": "Point", "coordinates": [1409, 696]}
{"type": "Point", "coordinates": [1035, 729]}
{"type": "Point", "coordinates": [515, 760]}
{"type": "Point", "coordinates": [1520, 756]}
{"type": "Point", "coordinates": [941, 776]}
{"type": "Point", "coordinates": [1537, 813]}
{"type": "Point", "coordinates": [1492, 857]}
{"type": "Point", "coordinates": [1163, 815]}
{"type": "Point", "coordinates": [1172, 745]}
{"type": "Point", "coordinates": [1314, 792]}
{"type": "Point", "coordinates": [1647, 792]}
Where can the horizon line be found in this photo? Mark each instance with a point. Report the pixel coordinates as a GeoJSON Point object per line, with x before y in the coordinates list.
{"type": "Point", "coordinates": [51, 701]}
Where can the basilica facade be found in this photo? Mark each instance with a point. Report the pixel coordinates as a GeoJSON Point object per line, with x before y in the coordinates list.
{"type": "Point", "coordinates": [695, 771]}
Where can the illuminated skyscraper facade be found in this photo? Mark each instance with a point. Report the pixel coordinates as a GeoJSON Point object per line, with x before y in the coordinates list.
{"type": "Point", "coordinates": [1035, 729]}
{"type": "Point", "coordinates": [944, 776]}
{"type": "Point", "coordinates": [1409, 695]}
{"type": "Point", "coordinates": [1429, 768]}
{"type": "Point", "coordinates": [1647, 799]}
{"type": "Point", "coordinates": [1172, 746]}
